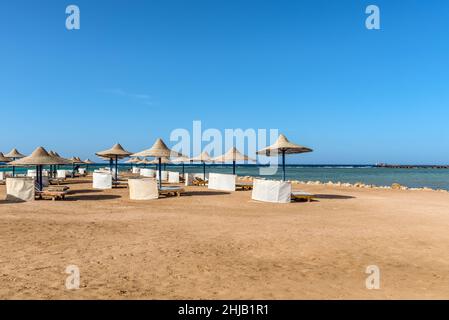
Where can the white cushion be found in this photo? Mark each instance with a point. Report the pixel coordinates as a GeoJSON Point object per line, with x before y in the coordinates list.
{"type": "Point", "coordinates": [164, 175]}
{"type": "Point", "coordinates": [188, 177]}
{"type": "Point", "coordinates": [81, 170]}
{"type": "Point", "coordinates": [173, 177]}
{"type": "Point", "coordinates": [143, 189]}
{"type": "Point", "coordinates": [149, 173]}
{"type": "Point", "coordinates": [20, 189]}
{"type": "Point", "coordinates": [136, 170]}
{"type": "Point", "coordinates": [102, 180]}
{"type": "Point", "coordinates": [31, 173]}
{"type": "Point", "coordinates": [223, 182]}
{"type": "Point", "coordinates": [272, 191]}
{"type": "Point", "coordinates": [61, 174]}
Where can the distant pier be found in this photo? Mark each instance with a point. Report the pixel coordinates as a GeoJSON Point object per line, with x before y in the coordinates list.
{"type": "Point", "coordinates": [409, 166]}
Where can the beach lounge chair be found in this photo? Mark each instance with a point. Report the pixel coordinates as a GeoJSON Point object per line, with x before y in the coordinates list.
{"type": "Point", "coordinates": [199, 182]}
{"type": "Point", "coordinates": [171, 190]}
{"type": "Point", "coordinates": [301, 195]}
{"type": "Point", "coordinates": [120, 183]}
{"type": "Point", "coordinates": [20, 189]}
{"type": "Point", "coordinates": [2, 177]}
{"type": "Point", "coordinates": [245, 186]}
{"type": "Point", "coordinates": [222, 182]}
{"type": "Point", "coordinates": [51, 194]}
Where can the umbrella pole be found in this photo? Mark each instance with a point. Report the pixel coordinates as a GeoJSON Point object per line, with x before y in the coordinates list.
{"type": "Point", "coordinates": [183, 170]}
{"type": "Point", "coordinates": [204, 171]}
{"type": "Point", "coordinates": [160, 173]}
{"type": "Point", "coordinates": [233, 167]}
{"type": "Point", "coordinates": [283, 165]}
{"type": "Point", "coordinates": [38, 179]}
{"type": "Point", "coordinates": [116, 168]}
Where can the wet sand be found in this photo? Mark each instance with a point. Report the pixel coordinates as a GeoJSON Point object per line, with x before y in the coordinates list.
{"type": "Point", "coordinates": [217, 245]}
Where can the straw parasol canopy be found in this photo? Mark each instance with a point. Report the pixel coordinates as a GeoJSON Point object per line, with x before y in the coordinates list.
{"type": "Point", "coordinates": [39, 158]}
{"type": "Point", "coordinates": [203, 158]}
{"type": "Point", "coordinates": [182, 159]}
{"type": "Point", "coordinates": [134, 160]}
{"type": "Point", "coordinates": [115, 153]}
{"type": "Point", "coordinates": [164, 160]}
{"type": "Point", "coordinates": [233, 155]}
{"type": "Point", "coordinates": [159, 150]}
{"type": "Point", "coordinates": [3, 158]}
{"type": "Point", "coordinates": [144, 161]}
{"type": "Point", "coordinates": [283, 146]}
{"type": "Point", "coordinates": [75, 160]}
{"type": "Point", "coordinates": [14, 154]}
{"type": "Point", "coordinates": [87, 162]}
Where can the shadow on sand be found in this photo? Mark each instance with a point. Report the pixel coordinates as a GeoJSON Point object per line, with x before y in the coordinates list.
{"type": "Point", "coordinates": [83, 191]}
{"type": "Point", "coordinates": [204, 193]}
{"type": "Point", "coordinates": [332, 197]}
{"type": "Point", "coordinates": [94, 197]}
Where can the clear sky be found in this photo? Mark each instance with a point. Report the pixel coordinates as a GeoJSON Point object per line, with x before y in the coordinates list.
{"type": "Point", "coordinates": [136, 70]}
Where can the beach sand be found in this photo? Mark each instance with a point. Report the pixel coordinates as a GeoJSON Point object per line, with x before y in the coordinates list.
{"type": "Point", "coordinates": [215, 245]}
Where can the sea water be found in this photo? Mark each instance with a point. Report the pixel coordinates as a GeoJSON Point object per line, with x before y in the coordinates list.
{"type": "Point", "coordinates": [413, 178]}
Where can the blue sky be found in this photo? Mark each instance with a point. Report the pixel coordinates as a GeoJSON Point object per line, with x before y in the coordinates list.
{"type": "Point", "coordinates": [139, 69]}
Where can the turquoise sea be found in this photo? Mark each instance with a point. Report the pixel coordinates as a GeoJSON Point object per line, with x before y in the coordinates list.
{"type": "Point", "coordinates": [414, 178]}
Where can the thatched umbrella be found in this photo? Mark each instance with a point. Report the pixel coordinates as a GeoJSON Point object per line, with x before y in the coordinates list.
{"type": "Point", "coordinates": [14, 154]}
{"type": "Point", "coordinates": [232, 155]}
{"type": "Point", "coordinates": [283, 146]}
{"type": "Point", "coordinates": [87, 162]}
{"type": "Point", "coordinates": [115, 153]}
{"type": "Point", "coordinates": [183, 160]}
{"type": "Point", "coordinates": [135, 160]}
{"type": "Point", "coordinates": [203, 158]}
{"type": "Point", "coordinates": [74, 161]}
{"type": "Point", "coordinates": [159, 150]}
{"type": "Point", "coordinates": [4, 159]}
{"type": "Point", "coordinates": [144, 162]}
{"type": "Point", "coordinates": [39, 158]}
{"type": "Point", "coordinates": [164, 161]}
{"type": "Point", "coordinates": [53, 167]}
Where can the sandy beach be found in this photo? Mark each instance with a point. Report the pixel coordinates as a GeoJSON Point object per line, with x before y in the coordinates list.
{"type": "Point", "coordinates": [217, 245]}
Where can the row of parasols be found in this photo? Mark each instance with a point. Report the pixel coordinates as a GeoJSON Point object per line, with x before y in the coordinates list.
{"type": "Point", "coordinates": [162, 154]}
